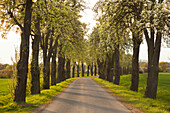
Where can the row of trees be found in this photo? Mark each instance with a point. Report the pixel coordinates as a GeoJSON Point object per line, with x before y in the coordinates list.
{"type": "Point", "coordinates": [163, 67]}
{"type": "Point", "coordinates": [121, 25]}
{"type": "Point", "coordinates": [52, 27]}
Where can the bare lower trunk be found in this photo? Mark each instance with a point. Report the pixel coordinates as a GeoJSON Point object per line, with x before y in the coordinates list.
{"type": "Point", "coordinates": [82, 69]}
{"type": "Point", "coordinates": [104, 70]}
{"type": "Point", "coordinates": [46, 70]}
{"type": "Point", "coordinates": [100, 68]}
{"type": "Point", "coordinates": [98, 64]}
{"type": "Point", "coordinates": [46, 82]}
{"type": "Point", "coordinates": [95, 70]}
{"type": "Point", "coordinates": [61, 72]}
{"type": "Point", "coordinates": [53, 69]}
{"type": "Point", "coordinates": [110, 68]}
{"type": "Point", "coordinates": [102, 64]}
{"type": "Point", "coordinates": [73, 70]}
{"type": "Point", "coordinates": [68, 68]}
{"type": "Point", "coordinates": [77, 70]}
{"type": "Point", "coordinates": [135, 64]}
{"type": "Point", "coordinates": [88, 68]}
{"type": "Point", "coordinates": [92, 69]}
{"type": "Point", "coordinates": [117, 66]}
{"type": "Point", "coordinates": [53, 63]}
{"type": "Point", "coordinates": [35, 70]}
{"type": "Point", "coordinates": [22, 66]}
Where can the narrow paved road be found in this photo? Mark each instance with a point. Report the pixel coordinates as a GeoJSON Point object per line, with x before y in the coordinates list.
{"type": "Point", "coordinates": [85, 96]}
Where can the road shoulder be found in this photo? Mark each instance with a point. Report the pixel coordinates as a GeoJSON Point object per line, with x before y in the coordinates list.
{"type": "Point", "coordinates": [129, 106]}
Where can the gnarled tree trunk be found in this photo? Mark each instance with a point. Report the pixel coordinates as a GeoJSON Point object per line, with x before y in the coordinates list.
{"type": "Point", "coordinates": [68, 68]}
{"type": "Point", "coordinates": [153, 63]}
{"type": "Point", "coordinates": [77, 70]}
{"type": "Point", "coordinates": [82, 69]}
{"type": "Point", "coordinates": [117, 66]}
{"type": "Point", "coordinates": [22, 66]}
{"type": "Point", "coordinates": [88, 68]}
{"type": "Point", "coordinates": [35, 70]}
{"type": "Point", "coordinates": [61, 72]}
{"type": "Point", "coordinates": [110, 70]}
{"type": "Point", "coordinates": [53, 63]}
{"type": "Point", "coordinates": [95, 70]}
{"type": "Point", "coordinates": [135, 63]}
{"type": "Point", "coordinates": [92, 69]}
{"type": "Point", "coordinates": [104, 70]}
{"type": "Point", "coordinates": [46, 59]}
{"type": "Point", "coordinates": [100, 66]}
{"type": "Point", "coordinates": [73, 70]}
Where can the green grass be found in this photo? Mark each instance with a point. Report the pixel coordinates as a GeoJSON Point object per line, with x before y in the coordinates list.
{"type": "Point", "coordinates": [163, 92]}
{"type": "Point", "coordinates": [159, 105]}
{"type": "Point", "coordinates": [32, 101]}
{"type": "Point", "coordinates": [4, 90]}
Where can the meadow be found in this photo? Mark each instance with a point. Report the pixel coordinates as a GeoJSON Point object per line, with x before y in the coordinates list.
{"type": "Point", "coordinates": [4, 89]}
{"type": "Point", "coordinates": [159, 105]}
{"type": "Point", "coordinates": [32, 101]}
{"type": "Point", "coordinates": [163, 92]}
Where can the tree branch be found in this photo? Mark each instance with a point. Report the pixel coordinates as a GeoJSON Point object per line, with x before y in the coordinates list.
{"type": "Point", "coordinates": [16, 21]}
{"type": "Point", "coordinates": [146, 35]}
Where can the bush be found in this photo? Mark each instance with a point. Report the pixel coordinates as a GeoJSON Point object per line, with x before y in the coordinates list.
{"type": "Point", "coordinates": [6, 73]}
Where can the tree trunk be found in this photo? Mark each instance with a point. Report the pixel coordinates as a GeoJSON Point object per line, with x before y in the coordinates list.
{"type": "Point", "coordinates": [73, 70]}
{"type": "Point", "coordinates": [135, 63]}
{"type": "Point", "coordinates": [104, 71]}
{"type": "Point", "coordinates": [154, 46]}
{"type": "Point", "coordinates": [78, 70]}
{"type": "Point", "coordinates": [92, 69]}
{"type": "Point", "coordinates": [88, 68]}
{"type": "Point", "coordinates": [22, 66]}
{"type": "Point", "coordinates": [53, 69]}
{"type": "Point", "coordinates": [82, 69]}
{"type": "Point", "coordinates": [53, 63]}
{"type": "Point", "coordinates": [68, 68]}
{"type": "Point", "coordinates": [95, 70]}
{"type": "Point", "coordinates": [99, 67]}
{"type": "Point", "coordinates": [46, 58]}
{"type": "Point", "coordinates": [35, 70]}
{"type": "Point", "coordinates": [61, 72]}
{"type": "Point", "coordinates": [117, 66]}
{"type": "Point", "coordinates": [110, 68]}
{"type": "Point", "coordinates": [153, 63]}
{"type": "Point", "coordinates": [102, 65]}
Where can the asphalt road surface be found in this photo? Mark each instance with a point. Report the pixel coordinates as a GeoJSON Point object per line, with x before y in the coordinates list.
{"type": "Point", "coordinates": [85, 96]}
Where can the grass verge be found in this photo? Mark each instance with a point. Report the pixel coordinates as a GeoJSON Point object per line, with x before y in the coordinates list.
{"type": "Point", "coordinates": [32, 101]}
{"type": "Point", "coordinates": [136, 98]}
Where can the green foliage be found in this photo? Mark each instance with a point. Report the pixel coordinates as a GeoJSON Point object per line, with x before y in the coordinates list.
{"type": "Point", "coordinates": [32, 101]}
{"type": "Point", "coordinates": [159, 105]}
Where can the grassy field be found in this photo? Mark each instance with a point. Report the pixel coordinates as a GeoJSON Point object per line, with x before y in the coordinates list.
{"type": "Point", "coordinates": [159, 105]}
{"type": "Point", "coordinates": [32, 101]}
{"type": "Point", "coordinates": [4, 90]}
{"type": "Point", "coordinates": [163, 92]}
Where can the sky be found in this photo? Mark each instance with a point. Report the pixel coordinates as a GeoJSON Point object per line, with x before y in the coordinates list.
{"type": "Point", "coordinates": [7, 46]}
